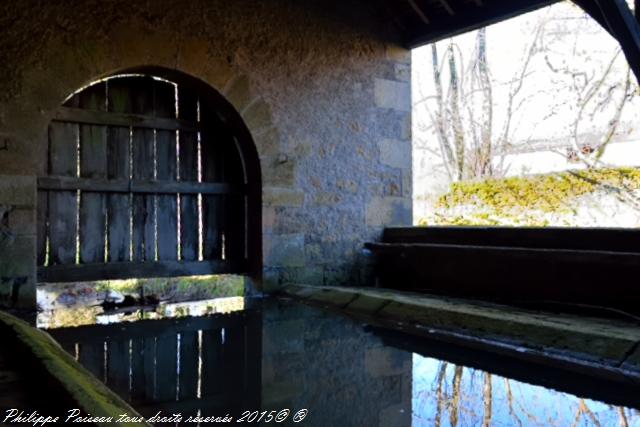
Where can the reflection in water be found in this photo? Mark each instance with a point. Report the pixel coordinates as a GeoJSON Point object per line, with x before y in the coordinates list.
{"type": "Point", "coordinates": [275, 354]}
{"type": "Point", "coordinates": [185, 365]}
{"type": "Point", "coordinates": [445, 394]}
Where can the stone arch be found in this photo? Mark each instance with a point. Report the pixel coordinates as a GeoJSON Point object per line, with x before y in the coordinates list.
{"type": "Point", "coordinates": [238, 114]}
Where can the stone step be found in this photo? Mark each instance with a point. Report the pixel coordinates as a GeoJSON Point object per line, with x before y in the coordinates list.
{"type": "Point", "coordinates": [598, 348]}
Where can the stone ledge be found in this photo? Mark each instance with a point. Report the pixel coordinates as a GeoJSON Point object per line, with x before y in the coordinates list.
{"type": "Point", "coordinates": [596, 346]}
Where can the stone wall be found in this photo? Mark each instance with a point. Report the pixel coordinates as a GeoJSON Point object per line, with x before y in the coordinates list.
{"type": "Point", "coordinates": [322, 86]}
{"type": "Point", "coordinates": [17, 240]}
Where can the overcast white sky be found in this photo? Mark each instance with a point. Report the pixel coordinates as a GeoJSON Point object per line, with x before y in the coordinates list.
{"type": "Point", "coordinates": [547, 104]}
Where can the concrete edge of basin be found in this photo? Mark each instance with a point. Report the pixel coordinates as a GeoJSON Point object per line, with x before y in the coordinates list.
{"type": "Point", "coordinates": [91, 395]}
{"type": "Point", "coordinates": [597, 348]}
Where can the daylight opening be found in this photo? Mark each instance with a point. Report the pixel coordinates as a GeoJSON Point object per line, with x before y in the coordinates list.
{"type": "Point", "coordinates": [146, 179]}
{"type": "Point", "coordinates": [528, 122]}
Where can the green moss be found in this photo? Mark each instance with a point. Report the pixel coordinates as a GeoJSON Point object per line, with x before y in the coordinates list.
{"type": "Point", "coordinates": [92, 396]}
{"type": "Point", "coordinates": [520, 200]}
{"type": "Point", "coordinates": [180, 288]}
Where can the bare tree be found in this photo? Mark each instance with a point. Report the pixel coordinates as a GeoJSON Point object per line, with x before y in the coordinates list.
{"type": "Point", "coordinates": [473, 140]}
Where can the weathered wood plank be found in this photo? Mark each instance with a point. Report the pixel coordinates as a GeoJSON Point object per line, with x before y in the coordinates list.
{"type": "Point", "coordinates": [128, 270]}
{"type": "Point", "coordinates": [138, 382]}
{"type": "Point", "coordinates": [93, 164]}
{"type": "Point", "coordinates": [118, 367]}
{"type": "Point", "coordinates": [212, 206]}
{"type": "Point", "coordinates": [165, 101]}
{"type": "Point", "coordinates": [150, 372]}
{"type": "Point", "coordinates": [606, 239]}
{"type": "Point", "coordinates": [91, 356]}
{"type": "Point", "coordinates": [143, 206]}
{"type": "Point", "coordinates": [187, 104]}
{"type": "Point", "coordinates": [42, 230]}
{"type": "Point", "coordinates": [149, 187]}
{"type": "Point", "coordinates": [118, 167]}
{"type": "Point", "coordinates": [63, 140]}
{"type": "Point", "coordinates": [212, 368]}
{"type": "Point", "coordinates": [144, 243]}
{"type": "Point", "coordinates": [188, 365]}
{"type": "Point", "coordinates": [167, 204]}
{"type": "Point", "coordinates": [166, 367]}
{"type": "Point", "coordinates": [77, 115]}
{"type": "Point", "coordinates": [486, 272]}
{"type": "Point", "coordinates": [188, 144]}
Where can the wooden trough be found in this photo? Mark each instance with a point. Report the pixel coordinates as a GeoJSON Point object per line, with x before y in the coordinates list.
{"type": "Point", "coordinates": [585, 268]}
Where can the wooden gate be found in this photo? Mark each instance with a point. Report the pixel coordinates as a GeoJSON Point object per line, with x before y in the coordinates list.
{"type": "Point", "coordinates": [144, 180]}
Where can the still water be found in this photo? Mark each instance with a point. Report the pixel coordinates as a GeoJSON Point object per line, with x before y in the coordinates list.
{"type": "Point", "coordinates": [222, 357]}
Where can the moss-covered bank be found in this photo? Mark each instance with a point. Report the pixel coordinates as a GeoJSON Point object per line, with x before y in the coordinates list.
{"type": "Point", "coordinates": [91, 395]}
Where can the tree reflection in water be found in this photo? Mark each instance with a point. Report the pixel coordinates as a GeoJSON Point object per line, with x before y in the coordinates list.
{"type": "Point", "coordinates": [448, 395]}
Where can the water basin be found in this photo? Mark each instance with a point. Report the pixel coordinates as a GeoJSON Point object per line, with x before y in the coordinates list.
{"type": "Point", "coordinates": [269, 358]}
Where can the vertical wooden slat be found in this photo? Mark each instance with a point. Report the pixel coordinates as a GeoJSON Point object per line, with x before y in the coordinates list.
{"type": "Point", "coordinates": [233, 361]}
{"type": "Point", "coordinates": [149, 357]}
{"type": "Point", "coordinates": [234, 205]}
{"type": "Point", "coordinates": [167, 204]}
{"type": "Point", "coordinates": [166, 367]}
{"type": "Point", "coordinates": [63, 139]}
{"type": "Point", "coordinates": [187, 104]}
{"type": "Point", "coordinates": [137, 370]}
{"type": "Point", "coordinates": [189, 203]}
{"type": "Point", "coordinates": [93, 164]}
{"type": "Point", "coordinates": [143, 205]}
{"type": "Point", "coordinates": [92, 357]}
{"type": "Point", "coordinates": [141, 90]}
{"type": "Point", "coordinates": [118, 367]}
{"type": "Point", "coordinates": [212, 171]}
{"type": "Point", "coordinates": [43, 213]}
{"type": "Point", "coordinates": [167, 214]}
{"type": "Point", "coordinates": [188, 143]}
{"type": "Point", "coordinates": [118, 167]}
{"type": "Point", "coordinates": [212, 369]}
{"type": "Point", "coordinates": [188, 365]}
{"type": "Point", "coordinates": [253, 359]}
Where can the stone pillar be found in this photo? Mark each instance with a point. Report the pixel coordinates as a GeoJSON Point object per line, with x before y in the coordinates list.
{"type": "Point", "coordinates": [18, 241]}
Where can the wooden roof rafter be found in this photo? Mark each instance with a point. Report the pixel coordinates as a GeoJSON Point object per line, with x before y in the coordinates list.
{"type": "Point", "coordinates": [418, 10]}
{"type": "Point", "coordinates": [439, 19]}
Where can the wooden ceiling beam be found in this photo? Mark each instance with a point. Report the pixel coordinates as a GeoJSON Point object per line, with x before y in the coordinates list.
{"type": "Point", "coordinates": [469, 19]}
{"type": "Point", "coordinates": [592, 9]}
{"type": "Point", "coordinates": [419, 12]}
{"type": "Point", "coordinates": [625, 28]}
{"type": "Point", "coordinates": [447, 7]}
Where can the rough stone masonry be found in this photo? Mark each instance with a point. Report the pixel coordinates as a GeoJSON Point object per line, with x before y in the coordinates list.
{"type": "Point", "coordinates": [323, 87]}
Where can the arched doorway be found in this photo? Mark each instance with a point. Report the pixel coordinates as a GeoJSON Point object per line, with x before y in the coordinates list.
{"type": "Point", "coordinates": [151, 173]}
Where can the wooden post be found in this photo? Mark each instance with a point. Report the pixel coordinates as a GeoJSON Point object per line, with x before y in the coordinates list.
{"type": "Point", "coordinates": [625, 28]}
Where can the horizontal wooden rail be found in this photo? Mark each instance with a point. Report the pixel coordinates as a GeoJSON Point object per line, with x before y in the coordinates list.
{"type": "Point", "coordinates": [598, 239]}
{"type": "Point", "coordinates": [79, 115]}
{"type": "Point", "coordinates": [148, 328]}
{"type": "Point", "coordinates": [63, 183]}
{"type": "Point", "coordinates": [128, 270]}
